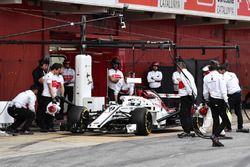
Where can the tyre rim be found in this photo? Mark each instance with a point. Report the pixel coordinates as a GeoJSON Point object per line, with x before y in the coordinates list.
{"type": "Point", "coordinates": [148, 122]}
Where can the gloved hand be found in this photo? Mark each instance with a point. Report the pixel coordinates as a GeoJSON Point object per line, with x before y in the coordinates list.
{"type": "Point", "coordinates": [66, 83]}
{"type": "Point", "coordinates": [59, 98]}
{"type": "Point", "coordinates": [227, 105]}
{"type": "Point", "coordinates": [206, 103]}
{"type": "Point", "coordinates": [54, 100]}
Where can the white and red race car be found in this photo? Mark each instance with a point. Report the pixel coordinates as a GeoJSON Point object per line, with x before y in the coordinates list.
{"type": "Point", "coordinates": [136, 114]}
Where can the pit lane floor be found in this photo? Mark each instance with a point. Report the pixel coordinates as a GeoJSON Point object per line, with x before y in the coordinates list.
{"type": "Point", "coordinates": [94, 149]}
{"type": "Point", "coordinates": [14, 146]}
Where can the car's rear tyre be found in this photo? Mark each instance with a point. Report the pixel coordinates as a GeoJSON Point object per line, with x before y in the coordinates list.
{"type": "Point", "coordinates": [143, 120]}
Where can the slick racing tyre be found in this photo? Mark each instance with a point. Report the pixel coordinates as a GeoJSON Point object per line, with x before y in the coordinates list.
{"type": "Point", "coordinates": [143, 120]}
{"type": "Point", "coordinates": [78, 119]}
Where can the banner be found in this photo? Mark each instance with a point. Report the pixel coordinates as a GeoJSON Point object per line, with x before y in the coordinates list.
{"type": "Point", "coordinates": [141, 2]}
{"type": "Point", "coordinates": [244, 8]}
{"type": "Point", "coordinates": [226, 7]}
{"type": "Point", "coordinates": [200, 5]}
{"type": "Point", "coordinates": [171, 4]}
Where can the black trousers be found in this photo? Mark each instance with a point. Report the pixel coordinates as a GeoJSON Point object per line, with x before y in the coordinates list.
{"type": "Point", "coordinates": [235, 103]}
{"type": "Point", "coordinates": [21, 116]}
{"type": "Point", "coordinates": [46, 119]}
{"type": "Point", "coordinates": [111, 95]}
{"type": "Point", "coordinates": [39, 108]}
{"type": "Point", "coordinates": [185, 113]}
{"type": "Point", "coordinates": [67, 94]}
{"type": "Point", "coordinates": [69, 90]}
{"type": "Point", "coordinates": [218, 109]}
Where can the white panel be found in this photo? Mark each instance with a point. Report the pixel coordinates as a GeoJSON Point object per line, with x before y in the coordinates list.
{"type": "Point", "coordinates": [94, 103]}
{"type": "Point", "coordinates": [83, 82]}
{"type": "Point", "coordinates": [134, 80]}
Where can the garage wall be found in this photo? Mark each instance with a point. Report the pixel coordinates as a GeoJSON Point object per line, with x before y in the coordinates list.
{"type": "Point", "coordinates": [157, 30]}
{"type": "Point", "coordinates": [239, 65]}
{"type": "Point", "coordinates": [200, 36]}
{"type": "Point", "coordinates": [18, 61]}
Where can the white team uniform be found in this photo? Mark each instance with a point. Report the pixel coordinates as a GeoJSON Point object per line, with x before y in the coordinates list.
{"type": "Point", "coordinates": [208, 120]}
{"type": "Point", "coordinates": [61, 80]}
{"type": "Point", "coordinates": [232, 82]}
{"type": "Point", "coordinates": [25, 99]}
{"type": "Point", "coordinates": [126, 88]}
{"type": "Point", "coordinates": [214, 85]}
{"type": "Point", "coordinates": [69, 76]}
{"type": "Point", "coordinates": [116, 74]}
{"type": "Point", "coordinates": [187, 85]}
{"type": "Point", "coordinates": [153, 77]}
{"type": "Point", "coordinates": [176, 78]}
{"type": "Point", "coordinates": [56, 82]}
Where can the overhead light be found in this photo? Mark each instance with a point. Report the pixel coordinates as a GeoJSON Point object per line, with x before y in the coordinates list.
{"type": "Point", "coordinates": [11, 2]}
{"type": "Point", "coordinates": [67, 49]}
{"type": "Point", "coordinates": [55, 48]}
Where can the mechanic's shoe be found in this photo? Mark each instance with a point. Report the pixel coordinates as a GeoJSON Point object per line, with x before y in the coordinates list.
{"type": "Point", "coordinates": [227, 130]}
{"type": "Point", "coordinates": [242, 130]}
{"type": "Point", "coordinates": [26, 132]}
{"type": "Point", "coordinates": [52, 130]}
{"type": "Point", "coordinates": [216, 142]}
{"type": "Point", "coordinates": [3, 133]}
{"type": "Point", "coordinates": [224, 137]}
{"type": "Point", "coordinates": [181, 135]}
{"type": "Point", "coordinates": [184, 134]}
{"type": "Point", "coordinates": [192, 134]}
{"type": "Point", "coordinates": [13, 132]}
{"type": "Point", "coordinates": [219, 144]}
{"type": "Point", "coordinates": [44, 130]}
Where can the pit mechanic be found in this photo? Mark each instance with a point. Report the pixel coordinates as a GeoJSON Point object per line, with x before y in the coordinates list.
{"type": "Point", "coordinates": [115, 77]}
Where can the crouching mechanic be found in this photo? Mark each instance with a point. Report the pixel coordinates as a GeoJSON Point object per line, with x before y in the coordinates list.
{"type": "Point", "coordinates": [22, 108]}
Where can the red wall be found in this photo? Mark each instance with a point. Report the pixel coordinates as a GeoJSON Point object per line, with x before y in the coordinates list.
{"type": "Point", "coordinates": [18, 61]}
{"type": "Point", "coordinates": [200, 36]}
{"type": "Point", "coordinates": [240, 65]}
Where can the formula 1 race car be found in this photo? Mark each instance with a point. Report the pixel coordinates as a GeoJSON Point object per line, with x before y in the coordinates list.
{"type": "Point", "coordinates": [136, 114]}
